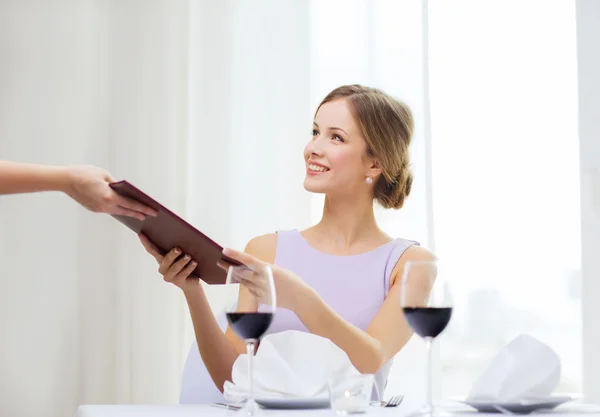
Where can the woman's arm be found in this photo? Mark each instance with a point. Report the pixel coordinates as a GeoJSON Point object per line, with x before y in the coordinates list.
{"type": "Point", "coordinates": [88, 185]}
{"type": "Point", "coordinates": [218, 351]}
{"type": "Point", "coordinates": [18, 178]}
{"type": "Point", "coordinates": [367, 350]}
{"type": "Point", "coordinates": [387, 333]}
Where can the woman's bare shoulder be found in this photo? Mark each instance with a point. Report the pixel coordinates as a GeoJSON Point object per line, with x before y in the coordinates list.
{"type": "Point", "coordinates": [263, 247]}
{"type": "Point", "coordinates": [413, 253]}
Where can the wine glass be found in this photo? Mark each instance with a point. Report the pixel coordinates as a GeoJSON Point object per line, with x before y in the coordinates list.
{"type": "Point", "coordinates": [427, 307]}
{"type": "Point", "coordinates": [251, 319]}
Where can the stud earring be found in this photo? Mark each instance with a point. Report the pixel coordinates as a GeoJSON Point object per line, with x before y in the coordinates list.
{"type": "Point", "coordinates": [369, 180]}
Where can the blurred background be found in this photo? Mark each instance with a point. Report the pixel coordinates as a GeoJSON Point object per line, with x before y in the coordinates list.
{"type": "Point", "coordinates": [207, 105]}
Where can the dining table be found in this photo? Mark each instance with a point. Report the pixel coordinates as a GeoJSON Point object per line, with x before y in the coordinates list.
{"type": "Point", "coordinates": [208, 410]}
{"type": "Point", "coordinates": [189, 410]}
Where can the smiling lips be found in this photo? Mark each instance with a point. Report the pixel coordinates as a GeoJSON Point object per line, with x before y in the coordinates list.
{"type": "Point", "coordinates": [315, 169]}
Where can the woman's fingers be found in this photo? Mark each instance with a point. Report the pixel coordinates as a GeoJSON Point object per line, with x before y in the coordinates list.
{"type": "Point", "coordinates": [178, 266]}
{"type": "Point", "coordinates": [224, 265]}
{"type": "Point", "coordinates": [131, 205]}
{"type": "Point", "coordinates": [253, 286]}
{"type": "Point", "coordinates": [150, 248]}
{"type": "Point", "coordinates": [241, 273]}
{"type": "Point", "coordinates": [168, 260]}
{"type": "Point", "coordinates": [246, 259]}
{"type": "Point", "coordinates": [127, 203]}
{"type": "Point", "coordinates": [123, 211]}
{"type": "Point", "coordinates": [186, 272]}
{"type": "Point", "coordinates": [174, 269]}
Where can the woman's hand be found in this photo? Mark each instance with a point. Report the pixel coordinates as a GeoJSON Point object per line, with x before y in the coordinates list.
{"type": "Point", "coordinates": [290, 288]}
{"type": "Point", "coordinates": [175, 267]}
{"type": "Point", "coordinates": [86, 184]}
{"type": "Point", "coordinates": [89, 186]}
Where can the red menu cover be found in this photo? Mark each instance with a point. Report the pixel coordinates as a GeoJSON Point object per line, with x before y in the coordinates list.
{"type": "Point", "coordinates": [167, 230]}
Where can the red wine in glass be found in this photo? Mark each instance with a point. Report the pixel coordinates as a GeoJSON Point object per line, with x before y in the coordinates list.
{"type": "Point", "coordinates": [427, 307]}
{"type": "Point", "coordinates": [251, 317]}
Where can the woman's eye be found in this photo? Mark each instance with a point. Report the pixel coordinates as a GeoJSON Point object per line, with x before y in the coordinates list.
{"type": "Point", "coordinates": [338, 138]}
{"type": "Point", "coordinates": [315, 132]}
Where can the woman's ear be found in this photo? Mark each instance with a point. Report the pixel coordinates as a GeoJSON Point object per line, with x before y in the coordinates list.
{"type": "Point", "coordinates": [374, 170]}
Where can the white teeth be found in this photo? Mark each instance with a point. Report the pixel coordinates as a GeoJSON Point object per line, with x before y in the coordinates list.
{"type": "Point", "coordinates": [318, 168]}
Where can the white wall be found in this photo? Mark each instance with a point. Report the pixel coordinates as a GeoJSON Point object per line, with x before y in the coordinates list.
{"type": "Point", "coordinates": [588, 42]}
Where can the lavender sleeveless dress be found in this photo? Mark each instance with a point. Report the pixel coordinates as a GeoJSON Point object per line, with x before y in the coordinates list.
{"type": "Point", "coordinates": [355, 286]}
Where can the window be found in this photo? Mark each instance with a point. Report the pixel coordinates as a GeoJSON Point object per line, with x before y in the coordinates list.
{"type": "Point", "coordinates": [505, 162]}
{"type": "Point", "coordinates": [505, 169]}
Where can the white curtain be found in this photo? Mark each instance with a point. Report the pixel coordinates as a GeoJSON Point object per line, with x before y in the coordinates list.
{"type": "Point", "coordinates": [249, 117]}
{"type": "Point", "coordinates": [202, 104]}
{"type": "Point", "coordinates": [588, 68]}
{"type": "Point", "coordinates": [249, 112]}
{"type": "Point", "coordinates": [84, 317]}
{"type": "Point", "coordinates": [376, 43]}
{"type": "Point", "coordinates": [380, 43]}
{"type": "Point", "coordinates": [207, 106]}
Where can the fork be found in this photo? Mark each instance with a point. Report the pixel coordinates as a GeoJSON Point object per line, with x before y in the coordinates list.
{"type": "Point", "coordinates": [394, 401]}
{"type": "Point", "coordinates": [227, 406]}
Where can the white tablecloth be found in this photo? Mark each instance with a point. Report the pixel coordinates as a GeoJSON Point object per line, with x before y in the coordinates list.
{"type": "Point", "coordinates": [209, 411]}
{"type": "Point", "coordinates": [200, 411]}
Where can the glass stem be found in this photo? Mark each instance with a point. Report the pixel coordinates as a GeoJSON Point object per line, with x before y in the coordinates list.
{"type": "Point", "coordinates": [429, 378]}
{"type": "Point", "coordinates": [250, 354]}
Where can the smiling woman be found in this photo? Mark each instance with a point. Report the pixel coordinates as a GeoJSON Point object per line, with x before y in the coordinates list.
{"type": "Point", "coordinates": [338, 279]}
{"type": "Point", "coordinates": [367, 136]}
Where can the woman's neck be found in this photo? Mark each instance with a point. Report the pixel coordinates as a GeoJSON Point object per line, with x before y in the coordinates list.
{"type": "Point", "coordinates": [346, 221]}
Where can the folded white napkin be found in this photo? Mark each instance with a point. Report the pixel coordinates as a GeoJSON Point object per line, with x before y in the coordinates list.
{"type": "Point", "coordinates": [289, 364]}
{"type": "Point", "coordinates": [525, 368]}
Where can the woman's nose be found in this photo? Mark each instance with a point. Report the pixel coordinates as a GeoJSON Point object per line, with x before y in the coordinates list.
{"type": "Point", "coordinates": [315, 146]}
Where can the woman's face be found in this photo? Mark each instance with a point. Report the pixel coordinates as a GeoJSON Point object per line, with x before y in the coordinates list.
{"type": "Point", "coordinates": [336, 157]}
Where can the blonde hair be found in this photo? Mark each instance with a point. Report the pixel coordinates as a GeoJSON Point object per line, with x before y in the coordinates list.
{"type": "Point", "coordinates": [387, 125]}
